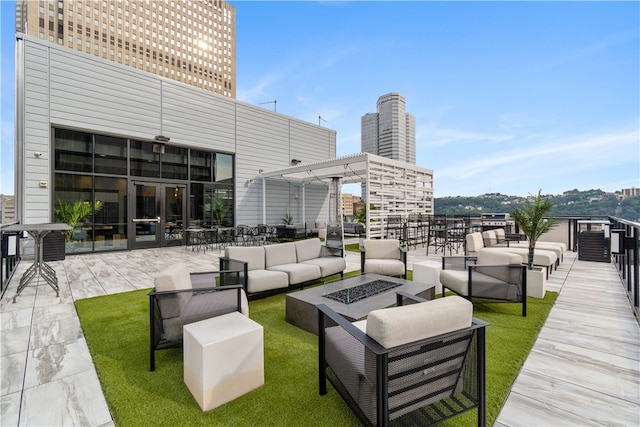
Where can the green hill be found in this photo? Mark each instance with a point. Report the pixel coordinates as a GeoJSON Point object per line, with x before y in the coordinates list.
{"type": "Point", "coordinates": [570, 203]}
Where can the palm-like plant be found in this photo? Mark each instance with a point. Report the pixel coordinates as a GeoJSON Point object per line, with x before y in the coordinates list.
{"type": "Point", "coordinates": [73, 213]}
{"type": "Point", "coordinates": [533, 222]}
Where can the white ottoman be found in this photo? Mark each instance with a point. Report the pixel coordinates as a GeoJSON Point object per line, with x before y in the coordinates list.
{"type": "Point", "coordinates": [428, 272]}
{"type": "Point", "coordinates": [223, 358]}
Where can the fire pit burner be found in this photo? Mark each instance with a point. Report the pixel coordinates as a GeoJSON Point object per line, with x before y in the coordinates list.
{"type": "Point", "coordinates": [360, 292]}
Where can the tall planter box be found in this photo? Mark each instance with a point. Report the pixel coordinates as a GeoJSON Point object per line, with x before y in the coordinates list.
{"type": "Point", "coordinates": [53, 248]}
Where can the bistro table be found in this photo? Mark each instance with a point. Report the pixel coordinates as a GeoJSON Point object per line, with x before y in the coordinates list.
{"type": "Point", "coordinates": [39, 267]}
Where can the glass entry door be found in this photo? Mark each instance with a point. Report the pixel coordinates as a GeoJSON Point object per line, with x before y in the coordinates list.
{"type": "Point", "coordinates": [158, 214]}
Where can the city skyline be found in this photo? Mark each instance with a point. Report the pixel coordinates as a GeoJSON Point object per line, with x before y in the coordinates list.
{"type": "Point", "coordinates": [509, 97]}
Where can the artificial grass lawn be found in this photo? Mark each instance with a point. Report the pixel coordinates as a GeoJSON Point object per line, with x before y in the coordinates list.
{"type": "Point", "coordinates": [116, 328]}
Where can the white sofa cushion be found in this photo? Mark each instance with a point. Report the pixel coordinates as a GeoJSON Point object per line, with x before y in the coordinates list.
{"type": "Point", "coordinates": [282, 253]}
{"type": "Point", "coordinates": [394, 326]}
{"type": "Point", "coordinates": [329, 265]}
{"type": "Point", "coordinates": [173, 278]}
{"type": "Point", "coordinates": [474, 243]}
{"type": "Point", "coordinates": [489, 238]}
{"type": "Point", "coordinates": [308, 249]}
{"type": "Point", "coordinates": [386, 267]}
{"type": "Point", "coordinates": [382, 249]}
{"type": "Point", "coordinates": [253, 255]}
{"type": "Point", "coordinates": [298, 272]}
{"type": "Point", "coordinates": [266, 280]}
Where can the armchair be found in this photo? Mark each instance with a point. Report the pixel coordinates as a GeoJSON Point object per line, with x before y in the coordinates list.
{"type": "Point", "coordinates": [384, 257]}
{"type": "Point", "coordinates": [180, 298]}
{"type": "Point", "coordinates": [418, 364]}
{"type": "Point", "coordinates": [494, 276]}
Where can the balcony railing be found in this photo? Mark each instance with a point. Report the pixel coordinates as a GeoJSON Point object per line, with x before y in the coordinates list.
{"type": "Point", "coordinates": [10, 249]}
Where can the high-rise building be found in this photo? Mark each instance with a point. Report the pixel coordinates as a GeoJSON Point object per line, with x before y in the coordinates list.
{"type": "Point", "coordinates": [391, 131]}
{"type": "Point", "coordinates": [191, 41]}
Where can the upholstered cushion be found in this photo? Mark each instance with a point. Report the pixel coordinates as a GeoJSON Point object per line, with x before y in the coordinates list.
{"type": "Point", "coordinates": [204, 306]}
{"type": "Point", "coordinates": [394, 326]}
{"type": "Point", "coordinates": [500, 235]}
{"type": "Point", "coordinates": [298, 272]}
{"type": "Point", "coordinates": [382, 249]}
{"type": "Point", "coordinates": [265, 280]}
{"type": "Point", "coordinates": [282, 253]}
{"type": "Point", "coordinates": [484, 286]}
{"type": "Point", "coordinates": [491, 258]}
{"type": "Point", "coordinates": [540, 256]}
{"type": "Point", "coordinates": [307, 249]}
{"type": "Point", "coordinates": [489, 238]}
{"type": "Point", "coordinates": [173, 278]}
{"type": "Point", "coordinates": [387, 267]}
{"type": "Point", "coordinates": [474, 242]}
{"type": "Point", "coordinates": [253, 255]}
{"type": "Point", "coordinates": [329, 265]}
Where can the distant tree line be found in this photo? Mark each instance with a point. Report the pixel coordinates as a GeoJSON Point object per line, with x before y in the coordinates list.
{"type": "Point", "coordinates": [570, 203]}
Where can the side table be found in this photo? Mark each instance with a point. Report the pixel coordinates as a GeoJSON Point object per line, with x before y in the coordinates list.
{"type": "Point", "coordinates": [223, 358]}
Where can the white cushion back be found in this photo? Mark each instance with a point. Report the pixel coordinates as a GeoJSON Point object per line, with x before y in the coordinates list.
{"type": "Point", "coordinates": [474, 242]}
{"type": "Point", "coordinates": [253, 255]}
{"type": "Point", "coordinates": [382, 249]}
{"type": "Point", "coordinates": [394, 326]}
{"type": "Point", "coordinates": [282, 253]}
{"type": "Point", "coordinates": [308, 249]}
{"type": "Point", "coordinates": [489, 237]}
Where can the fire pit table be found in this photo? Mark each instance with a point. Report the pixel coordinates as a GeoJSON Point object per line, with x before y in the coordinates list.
{"type": "Point", "coordinates": [353, 298]}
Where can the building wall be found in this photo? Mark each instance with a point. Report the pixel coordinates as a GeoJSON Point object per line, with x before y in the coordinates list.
{"type": "Point", "coordinates": [194, 45]}
{"type": "Point", "coordinates": [62, 87]}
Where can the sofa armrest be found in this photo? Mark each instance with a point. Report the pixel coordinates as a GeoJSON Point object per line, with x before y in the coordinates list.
{"type": "Point", "coordinates": [460, 261]}
{"type": "Point", "coordinates": [241, 267]}
{"type": "Point", "coordinates": [202, 279]}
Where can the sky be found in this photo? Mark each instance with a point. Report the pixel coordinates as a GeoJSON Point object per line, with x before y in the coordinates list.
{"type": "Point", "coordinates": [508, 97]}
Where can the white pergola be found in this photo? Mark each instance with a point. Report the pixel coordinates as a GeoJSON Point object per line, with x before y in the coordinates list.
{"type": "Point", "coordinates": [394, 188]}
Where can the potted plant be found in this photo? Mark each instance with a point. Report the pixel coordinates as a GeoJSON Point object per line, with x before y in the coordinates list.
{"type": "Point", "coordinates": [219, 210]}
{"type": "Point", "coordinates": [532, 219]}
{"type": "Point", "coordinates": [287, 219]}
{"type": "Point", "coordinates": [74, 212]}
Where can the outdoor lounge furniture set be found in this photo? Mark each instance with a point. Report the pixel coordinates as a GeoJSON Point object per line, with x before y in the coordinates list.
{"type": "Point", "coordinates": [419, 363]}
{"type": "Point", "coordinates": [266, 270]}
{"type": "Point", "coordinates": [478, 242]}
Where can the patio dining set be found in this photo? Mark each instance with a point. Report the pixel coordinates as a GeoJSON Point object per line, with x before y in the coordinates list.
{"type": "Point", "coordinates": [200, 238]}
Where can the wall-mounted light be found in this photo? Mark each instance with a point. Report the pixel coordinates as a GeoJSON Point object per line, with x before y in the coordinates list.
{"type": "Point", "coordinates": [295, 161]}
{"type": "Point", "coordinates": [37, 154]}
{"type": "Point", "coordinates": [250, 181]}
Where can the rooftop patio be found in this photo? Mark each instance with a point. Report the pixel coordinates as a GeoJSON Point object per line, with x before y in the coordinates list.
{"type": "Point", "coordinates": [584, 368]}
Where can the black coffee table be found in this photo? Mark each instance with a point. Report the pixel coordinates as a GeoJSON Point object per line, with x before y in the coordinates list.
{"type": "Point", "coordinates": [301, 306]}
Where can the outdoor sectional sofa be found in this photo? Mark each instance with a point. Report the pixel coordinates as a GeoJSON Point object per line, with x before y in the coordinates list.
{"type": "Point", "coordinates": [271, 269]}
{"type": "Point", "coordinates": [541, 257]}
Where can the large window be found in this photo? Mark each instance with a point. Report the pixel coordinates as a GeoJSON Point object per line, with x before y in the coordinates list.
{"type": "Point", "coordinates": [92, 176]}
